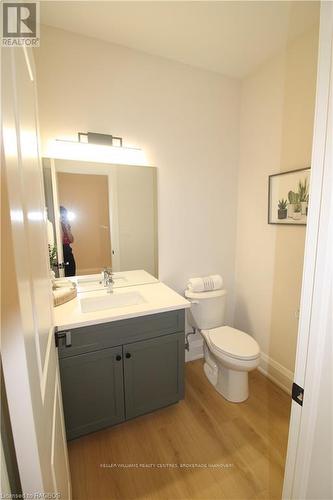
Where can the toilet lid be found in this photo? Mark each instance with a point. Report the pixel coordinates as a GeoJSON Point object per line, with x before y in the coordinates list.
{"type": "Point", "coordinates": [234, 343]}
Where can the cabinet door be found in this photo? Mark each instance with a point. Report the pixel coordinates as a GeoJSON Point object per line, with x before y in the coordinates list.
{"type": "Point", "coordinates": [92, 391]}
{"type": "Point", "coordinates": [154, 373]}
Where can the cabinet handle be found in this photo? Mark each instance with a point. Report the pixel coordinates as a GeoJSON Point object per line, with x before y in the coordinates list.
{"type": "Point", "coordinates": [128, 355]}
{"type": "Point", "coordinates": [118, 357]}
{"type": "Point", "coordinates": [63, 335]}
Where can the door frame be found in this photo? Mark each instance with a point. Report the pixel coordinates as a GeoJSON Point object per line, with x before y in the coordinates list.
{"type": "Point", "coordinates": [58, 237]}
{"type": "Point", "coordinates": [317, 271]}
{"type": "Point", "coordinates": [113, 216]}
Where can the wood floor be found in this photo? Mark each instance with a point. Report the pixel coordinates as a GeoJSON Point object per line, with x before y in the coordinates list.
{"type": "Point", "coordinates": [247, 441]}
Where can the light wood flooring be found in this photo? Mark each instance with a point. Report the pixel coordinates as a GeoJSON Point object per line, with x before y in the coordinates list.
{"type": "Point", "coordinates": [202, 429]}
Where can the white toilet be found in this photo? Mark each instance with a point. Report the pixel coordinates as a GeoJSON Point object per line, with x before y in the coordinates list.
{"type": "Point", "coordinates": [229, 353]}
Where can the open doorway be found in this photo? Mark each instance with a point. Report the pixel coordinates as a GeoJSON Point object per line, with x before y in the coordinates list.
{"type": "Point", "coordinates": [86, 198]}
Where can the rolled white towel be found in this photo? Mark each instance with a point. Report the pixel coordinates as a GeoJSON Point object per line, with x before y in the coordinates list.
{"type": "Point", "coordinates": [62, 283]}
{"type": "Point", "coordinates": [205, 284]}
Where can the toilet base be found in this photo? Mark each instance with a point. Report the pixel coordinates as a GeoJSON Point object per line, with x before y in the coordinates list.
{"type": "Point", "coordinates": [233, 385]}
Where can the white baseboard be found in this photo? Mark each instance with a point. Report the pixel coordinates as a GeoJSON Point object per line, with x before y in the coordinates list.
{"type": "Point", "coordinates": [195, 352]}
{"type": "Point", "coordinates": [277, 373]}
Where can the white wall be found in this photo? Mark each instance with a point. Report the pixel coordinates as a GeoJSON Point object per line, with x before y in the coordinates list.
{"type": "Point", "coordinates": [275, 135]}
{"type": "Point", "coordinates": [185, 119]}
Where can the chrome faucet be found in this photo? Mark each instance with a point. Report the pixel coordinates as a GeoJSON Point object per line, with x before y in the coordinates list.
{"type": "Point", "coordinates": [107, 278]}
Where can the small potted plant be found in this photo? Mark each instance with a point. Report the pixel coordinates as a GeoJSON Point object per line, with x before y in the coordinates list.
{"type": "Point", "coordinates": [297, 211]}
{"type": "Point", "coordinates": [282, 209]}
{"type": "Point", "coordinates": [293, 201]}
{"type": "Point", "coordinates": [303, 189]}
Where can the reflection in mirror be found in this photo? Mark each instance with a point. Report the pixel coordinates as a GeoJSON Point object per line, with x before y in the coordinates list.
{"type": "Point", "coordinates": [84, 222]}
{"type": "Point", "coordinates": [100, 216]}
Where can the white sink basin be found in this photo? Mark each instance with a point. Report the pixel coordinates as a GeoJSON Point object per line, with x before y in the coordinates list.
{"type": "Point", "coordinates": [110, 301]}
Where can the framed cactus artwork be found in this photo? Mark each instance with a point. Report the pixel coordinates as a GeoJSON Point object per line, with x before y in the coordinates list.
{"type": "Point", "coordinates": [288, 197]}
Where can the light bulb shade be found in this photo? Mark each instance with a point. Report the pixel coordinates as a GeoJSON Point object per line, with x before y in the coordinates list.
{"type": "Point", "coordinates": [71, 150]}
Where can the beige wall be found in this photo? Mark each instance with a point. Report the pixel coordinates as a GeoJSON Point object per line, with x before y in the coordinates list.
{"type": "Point", "coordinates": [87, 196]}
{"type": "Point", "coordinates": [186, 121]}
{"type": "Point", "coordinates": [275, 135]}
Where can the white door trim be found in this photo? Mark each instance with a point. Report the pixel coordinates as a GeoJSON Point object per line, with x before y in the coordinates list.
{"type": "Point", "coordinates": [29, 356]}
{"type": "Point", "coordinates": [114, 221]}
{"type": "Point", "coordinates": [315, 306]}
{"type": "Point", "coordinates": [56, 205]}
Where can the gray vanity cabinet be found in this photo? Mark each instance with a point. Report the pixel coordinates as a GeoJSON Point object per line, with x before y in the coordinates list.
{"type": "Point", "coordinates": [116, 371]}
{"type": "Point", "coordinates": [153, 373]}
{"type": "Point", "coordinates": [92, 391]}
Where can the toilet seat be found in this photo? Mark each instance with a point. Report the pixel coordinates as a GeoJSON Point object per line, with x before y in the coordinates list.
{"type": "Point", "coordinates": [232, 342]}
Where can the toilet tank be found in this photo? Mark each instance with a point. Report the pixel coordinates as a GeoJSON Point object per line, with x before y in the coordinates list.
{"type": "Point", "coordinates": [207, 309]}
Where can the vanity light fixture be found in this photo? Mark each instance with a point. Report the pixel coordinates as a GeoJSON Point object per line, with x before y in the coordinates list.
{"type": "Point", "coordinates": [84, 150]}
{"type": "Point", "coordinates": [101, 139]}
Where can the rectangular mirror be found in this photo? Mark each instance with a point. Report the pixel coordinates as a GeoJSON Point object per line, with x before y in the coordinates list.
{"type": "Point", "coordinates": [101, 215]}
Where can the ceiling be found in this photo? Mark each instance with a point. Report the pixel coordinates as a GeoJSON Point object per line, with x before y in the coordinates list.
{"type": "Point", "coordinates": [229, 37]}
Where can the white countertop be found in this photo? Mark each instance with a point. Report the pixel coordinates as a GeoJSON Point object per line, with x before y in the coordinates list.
{"type": "Point", "coordinates": [157, 297]}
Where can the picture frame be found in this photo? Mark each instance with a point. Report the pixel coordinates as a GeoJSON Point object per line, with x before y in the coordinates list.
{"type": "Point", "coordinates": [288, 197]}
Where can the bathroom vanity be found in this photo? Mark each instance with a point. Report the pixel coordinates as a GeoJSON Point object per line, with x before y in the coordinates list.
{"type": "Point", "coordinates": [121, 354]}
{"type": "Point", "coordinates": [122, 360]}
